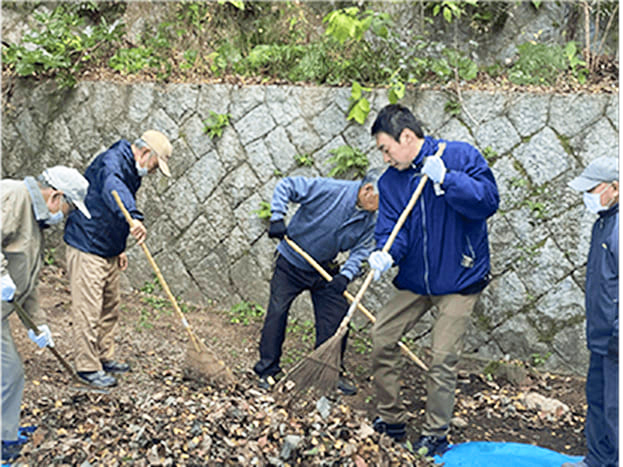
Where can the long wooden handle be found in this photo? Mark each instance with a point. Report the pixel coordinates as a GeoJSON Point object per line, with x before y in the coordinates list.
{"type": "Point", "coordinates": [399, 223]}
{"type": "Point", "coordinates": [350, 298]}
{"type": "Point", "coordinates": [156, 269]}
{"type": "Point", "coordinates": [386, 247]}
{"type": "Point", "coordinates": [30, 324]}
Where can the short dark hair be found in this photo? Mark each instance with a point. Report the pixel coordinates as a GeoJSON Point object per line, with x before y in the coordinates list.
{"type": "Point", "coordinates": [394, 118]}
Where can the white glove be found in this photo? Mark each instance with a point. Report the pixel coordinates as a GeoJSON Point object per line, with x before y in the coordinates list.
{"type": "Point", "coordinates": [435, 169]}
{"type": "Point", "coordinates": [8, 287]}
{"type": "Point", "coordinates": [380, 261]}
{"type": "Point", "coordinates": [44, 338]}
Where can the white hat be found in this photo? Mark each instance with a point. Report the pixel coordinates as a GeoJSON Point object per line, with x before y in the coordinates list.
{"type": "Point", "coordinates": [71, 182]}
{"type": "Point", "coordinates": [602, 169]}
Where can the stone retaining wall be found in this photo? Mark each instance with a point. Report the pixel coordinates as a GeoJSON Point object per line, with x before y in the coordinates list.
{"type": "Point", "coordinates": [213, 249]}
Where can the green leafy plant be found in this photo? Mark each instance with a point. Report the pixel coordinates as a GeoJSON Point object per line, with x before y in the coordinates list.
{"type": "Point", "coordinates": [452, 9]}
{"type": "Point", "coordinates": [360, 106]}
{"type": "Point", "coordinates": [144, 319]}
{"type": "Point", "coordinates": [61, 45]}
{"type": "Point", "coordinates": [245, 313]}
{"type": "Point", "coordinates": [347, 159]}
{"type": "Point", "coordinates": [537, 208]}
{"type": "Point", "coordinates": [304, 160]}
{"type": "Point", "coordinates": [489, 154]}
{"type": "Point", "coordinates": [48, 256]}
{"type": "Point", "coordinates": [264, 211]}
{"type": "Point", "coordinates": [536, 359]}
{"type": "Point", "coordinates": [453, 107]}
{"type": "Point", "coordinates": [577, 65]}
{"type": "Point", "coordinates": [215, 124]}
{"type": "Point", "coordinates": [538, 64]}
{"type": "Point", "coordinates": [151, 286]}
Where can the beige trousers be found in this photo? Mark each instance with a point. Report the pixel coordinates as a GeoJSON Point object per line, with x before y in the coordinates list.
{"type": "Point", "coordinates": [396, 318]}
{"type": "Point", "coordinates": [94, 283]}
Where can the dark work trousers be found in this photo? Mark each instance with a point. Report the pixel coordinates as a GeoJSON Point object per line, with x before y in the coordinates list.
{"type": "Point", "coordinates": [602, 417]}
{"type": "Point", "coordinates": [287, 283]}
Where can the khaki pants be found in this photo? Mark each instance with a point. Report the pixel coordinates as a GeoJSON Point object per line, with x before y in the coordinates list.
{"type": "Point", "coordinates": [396, 318]}
{"type": "Point", "coordinates": [94, 283]}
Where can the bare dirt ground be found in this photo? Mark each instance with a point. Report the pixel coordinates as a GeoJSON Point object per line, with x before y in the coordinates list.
{"type": "Point", "coordinates": [156, 416]}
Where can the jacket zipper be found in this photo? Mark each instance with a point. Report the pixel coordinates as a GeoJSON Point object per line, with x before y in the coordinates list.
{"type": "Point", "coordinates": [425, 247]}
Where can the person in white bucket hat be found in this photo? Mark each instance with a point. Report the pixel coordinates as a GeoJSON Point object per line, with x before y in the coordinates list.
{"type": "Point", "coordinates": [28, 207]}
{"type": "Point", "coordinates": [599, 183]}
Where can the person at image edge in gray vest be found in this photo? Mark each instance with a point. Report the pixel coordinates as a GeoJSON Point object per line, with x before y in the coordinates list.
{"type": "Point", "coordinates": [442, 254]}
{"type": "Point", "coordinates": [333, 216]}
{"type": "Point", "coordinates": [599, 183]}
{"type": "Point", "coordinates": [29, 207]}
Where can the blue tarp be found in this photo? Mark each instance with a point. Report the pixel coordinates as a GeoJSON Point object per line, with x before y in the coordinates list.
{"type": "Point", "coordinates": [487, 454]}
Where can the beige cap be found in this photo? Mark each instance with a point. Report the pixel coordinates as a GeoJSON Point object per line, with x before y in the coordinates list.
{"type": "Point", "coordinates": [160, 144]}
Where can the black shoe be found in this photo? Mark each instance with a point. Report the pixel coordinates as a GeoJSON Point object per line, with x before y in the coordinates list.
{"type": "Point", "coordinates": [434, 445]}
{"type": "Point", "coordinates": [396, 431]}
{"type": "Point", "coordinates": [266, 382]}
{"type": "Point", "coordinates": [11, 450]}
{"type": "Point", "coordinates": [115, 367]}
{"type": "Point", "coordinates": [346, 387]}
{"type": "Point", "coordinates": [98, 378]}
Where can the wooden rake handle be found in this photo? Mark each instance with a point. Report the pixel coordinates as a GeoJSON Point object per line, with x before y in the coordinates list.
{"type": "Point", "coordinates": [156, 269]}
{"type": "Point", "coordinates": [399, 223]}
{"type": "Point", "coordinates": [30, 324]}
{"type": "Point", "coordinates": [350, 298]}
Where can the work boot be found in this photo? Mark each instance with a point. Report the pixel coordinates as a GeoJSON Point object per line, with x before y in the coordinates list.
{"type": "Point", "coordinates": [396, 431]}
{"type": "Point", "coordinates": [346, 387]}
{"type": "Point", "coordinates": [98, 378]}
{"type": "Point", "coordinates": [580, 463]}
{"type": "Point", "coordinates": [113, 366]}
{"type": "Point", "coordinates": [25, 432]}
{"type": "Point", "coordinates": [266, 382]}
{"type": "Point", "coordinates": [11, 449]}
{"type": "Point", "coordinates": [434, 445]}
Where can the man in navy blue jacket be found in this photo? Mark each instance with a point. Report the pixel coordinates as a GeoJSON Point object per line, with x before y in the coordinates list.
{"type": "Point", "coordinates": [600, 185]}
{"type": "Point", "coordinates": [95, 249]}
{"type": "Point", "coordinates": [333, 216]}
{"type": "Point", "coordinates": [442, 253]}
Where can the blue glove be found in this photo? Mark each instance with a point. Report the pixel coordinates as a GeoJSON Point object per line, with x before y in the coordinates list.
{"type": "Point", "coordinates": [8, 288]}
{"type": "Point", "coordinates": [435, 169]}
{"type": "Point", "coordinates": [380, 261]}
{"type": "Point", "coordinates": [44, 338]}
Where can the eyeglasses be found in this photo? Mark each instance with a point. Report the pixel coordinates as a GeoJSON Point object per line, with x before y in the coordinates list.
{"type": "Point", "coordinates": [69, 202]}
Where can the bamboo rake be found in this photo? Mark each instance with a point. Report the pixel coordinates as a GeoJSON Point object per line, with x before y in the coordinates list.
{"type": "Point", "coordinates": [350, 298]}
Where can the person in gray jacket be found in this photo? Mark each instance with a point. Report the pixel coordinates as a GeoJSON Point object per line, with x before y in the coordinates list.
{"type": "Point", "coordinates": [28, 207]}
{"type": "Point", "coordinates": [333, 216]}
{"type": "Point", "coordinates": [600, 187]}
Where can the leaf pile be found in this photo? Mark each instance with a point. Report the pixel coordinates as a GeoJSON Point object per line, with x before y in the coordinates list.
{"type": "Point", "coordinates": [185, 423]}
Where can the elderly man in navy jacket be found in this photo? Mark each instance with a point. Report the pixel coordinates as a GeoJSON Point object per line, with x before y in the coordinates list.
{"type": "Point", "coordinates": [599, 183]}
{"type": "Point", "coordinates": [95, 249]}
{"type": "Point", "coordinates": [333, 216]}
{"type": "Point", "coordinates": [442, 253]}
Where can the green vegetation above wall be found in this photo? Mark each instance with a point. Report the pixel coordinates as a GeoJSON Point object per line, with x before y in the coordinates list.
{"type": "Point", "coordinates": [297, 42]}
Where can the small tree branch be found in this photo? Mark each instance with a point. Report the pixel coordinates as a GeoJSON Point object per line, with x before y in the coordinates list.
{"type": "Point", "coordinates": [607, 30]}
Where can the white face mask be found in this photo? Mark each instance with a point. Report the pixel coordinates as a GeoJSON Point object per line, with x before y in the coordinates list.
{"type": "Point", "coordinates": [55, 218]}
{"type": "Point", "coordinates": [142, 171]}
{"type": "Point", "coordinates": [592, 201]}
